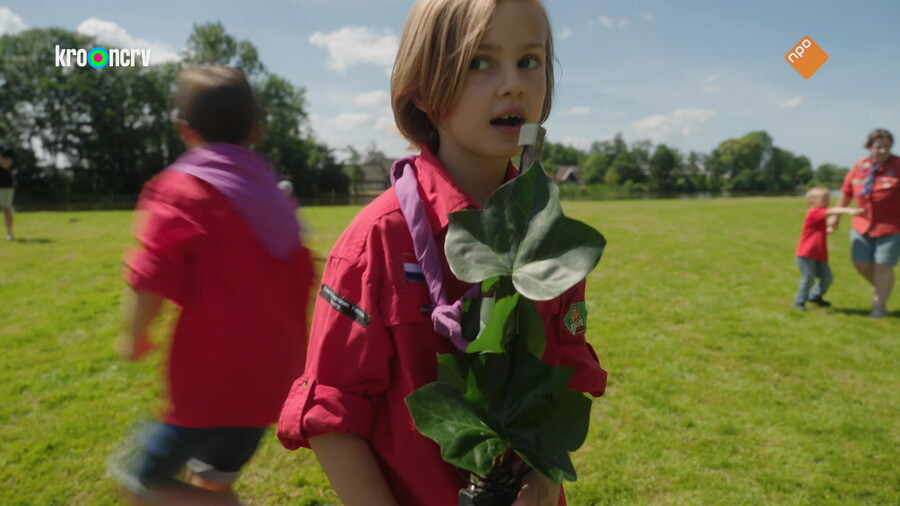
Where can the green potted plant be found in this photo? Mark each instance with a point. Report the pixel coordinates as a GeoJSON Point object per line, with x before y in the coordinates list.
{"type": "Point", "coordinates": [496, 409]}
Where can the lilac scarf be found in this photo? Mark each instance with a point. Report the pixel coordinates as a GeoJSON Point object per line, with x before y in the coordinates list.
{"type": "Point", "coordinates": [445, 317]}
{"type": "Point", "coordinates": [247, 180]}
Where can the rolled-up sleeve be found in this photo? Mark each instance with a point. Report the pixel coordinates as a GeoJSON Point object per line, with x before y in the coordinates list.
{"type": "Point", "coordinates": [348, 363]}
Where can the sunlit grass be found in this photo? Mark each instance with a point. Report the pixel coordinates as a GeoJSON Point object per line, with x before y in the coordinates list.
{"type": "Point", "coordinates": [719, 393]}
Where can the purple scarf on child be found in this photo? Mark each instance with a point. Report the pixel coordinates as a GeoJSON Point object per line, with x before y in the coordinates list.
{"type": "Point", "coordinates": [247, 180]}
{"type": "Point", "coordinates": [446, 316]}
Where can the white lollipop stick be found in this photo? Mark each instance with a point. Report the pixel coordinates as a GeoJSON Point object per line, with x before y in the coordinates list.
{"type": "Point", "coordinates": [531, 138]}
{"type": "Point", "coordinates": [528, 134]}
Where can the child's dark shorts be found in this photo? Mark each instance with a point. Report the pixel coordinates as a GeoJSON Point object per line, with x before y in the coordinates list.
{"type": "Point", "coordinates": [217, 455]}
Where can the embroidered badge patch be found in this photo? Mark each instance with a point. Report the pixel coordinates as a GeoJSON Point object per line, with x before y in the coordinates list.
{"type": "Point", "coordinates": [575, 318]}
{"type": "Point", "coordinates": [344, 306]}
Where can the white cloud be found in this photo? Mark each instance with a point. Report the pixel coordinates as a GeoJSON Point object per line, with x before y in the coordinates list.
{"type": "Point", "coordinates": [608, 22]}
{"type": "Point", "coordinates": [791, 103]}
{"type": "Point", "coordinates": [107, 32]}
{"type": "Point", "coordinates": [673, 127]}
{"type": "Point", "coordinates": [371, 99]}
{"type": "Point", "coordinates": [353, 45]}
{"type": "Point", "coordinates": [577, 111]}
{"type": "Point", "coordinates": [646, 16]}
{"type": "Point", "coordinates": [565, 33]}
{"type": "Point", "coordinates": [351, 120]}
{"type": "Point", "coordinates": [711, 85]}
{"type": "Point", "coordinates": [10, 23]}
{"type": "Point", "coordinates": [605, 21]}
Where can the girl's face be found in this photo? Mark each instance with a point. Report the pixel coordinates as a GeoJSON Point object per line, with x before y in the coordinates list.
{"type": "Point", "coordinates": [880, 150]}
{"type": "Point", "coordinates": [503, 89]}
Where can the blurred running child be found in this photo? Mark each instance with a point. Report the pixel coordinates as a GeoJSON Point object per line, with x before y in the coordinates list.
{"type": "Point", "coordinates": [220, 240]}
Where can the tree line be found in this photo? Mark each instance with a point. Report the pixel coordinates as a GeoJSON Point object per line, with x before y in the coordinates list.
{"type": "Point", "coordinates": [91, 133]}
{"type": "Point", "coordinates": [751, 163]}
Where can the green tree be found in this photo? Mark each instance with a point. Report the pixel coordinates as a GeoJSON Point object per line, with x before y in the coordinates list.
{"type": "Point", "coordinates": [282, 106]}
{"type": "Point", "coordinates": [353, 169]}
{"type": "Point", "coordinates": [593, 168]}
{"type": "Point", "coordinates": [741, 162]}
{"type": "Point", "coordinates": [626, 168]}
{"type": "Point", "coordinates": [95, 131]}
{"type": "Point", "coordinates": [830, 175]}
{"type": "Point", "coordinates": [210, 44]}
{"type": "Point", "coordinates": [555, 155]}
{"type": "Point", "coordinates": [329, 176]}
{"type": "Point", "coordinates": [663, 169]}
{"type": "Point", "coordinates": [692, 175]}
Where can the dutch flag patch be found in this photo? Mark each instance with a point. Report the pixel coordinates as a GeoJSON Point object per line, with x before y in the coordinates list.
{"type": "Point", "coordinates": [413, 272]}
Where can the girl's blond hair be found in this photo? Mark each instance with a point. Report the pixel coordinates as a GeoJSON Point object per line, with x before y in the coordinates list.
{"type": "Point", "coordinates": [439, 40]}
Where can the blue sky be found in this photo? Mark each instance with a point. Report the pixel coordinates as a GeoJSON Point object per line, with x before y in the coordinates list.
{"type": "Point", "coordinates": [688, 73]}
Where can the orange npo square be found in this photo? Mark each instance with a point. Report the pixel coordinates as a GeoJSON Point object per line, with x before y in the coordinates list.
{"type": "Point", "coordinates": [806, 57]}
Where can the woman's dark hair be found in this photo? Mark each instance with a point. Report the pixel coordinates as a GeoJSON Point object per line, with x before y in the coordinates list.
{"type": "Point", "coordinates": [879, 134]}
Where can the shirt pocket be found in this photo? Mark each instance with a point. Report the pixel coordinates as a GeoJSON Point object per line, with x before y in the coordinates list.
{"type": "Point", "coordinates": [405, 304]}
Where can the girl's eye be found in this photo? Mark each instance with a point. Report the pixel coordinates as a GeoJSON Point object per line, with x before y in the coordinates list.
{"type": "Point", "coordinates": [529, 62]}
{"type": "Point", "coordinates": [479, 63]}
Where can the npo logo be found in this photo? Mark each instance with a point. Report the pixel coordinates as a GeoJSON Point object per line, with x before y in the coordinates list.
{"type": "Point", "coordinates": [99, 57]}
{"type": "Point", "coordinates": [806, 57]}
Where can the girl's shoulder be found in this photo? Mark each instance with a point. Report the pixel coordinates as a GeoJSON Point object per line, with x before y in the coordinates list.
{"type": "Point", "coordinates": [378, 226]}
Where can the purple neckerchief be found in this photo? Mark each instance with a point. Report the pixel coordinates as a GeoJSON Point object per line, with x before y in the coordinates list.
{"type": "Point", "coordinates": [246, 179]}
{"type": "Point", "coordinates": [445, 317]}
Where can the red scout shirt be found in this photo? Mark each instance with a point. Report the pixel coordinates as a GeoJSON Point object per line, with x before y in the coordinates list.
{"type": "Point", "coordinates": [372, 343]}
{"type": "Point", "coordinates": [240, 338]}
{"type": "Point", "coordinates": [813, 242]}
{"type": "Point", "coordinates": [882, 205]}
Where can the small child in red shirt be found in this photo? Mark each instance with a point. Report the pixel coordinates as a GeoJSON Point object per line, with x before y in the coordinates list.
{"type": "Point", "coordinates": [812, 251]}
{"type": "Point", "coordinates": [219, 239]}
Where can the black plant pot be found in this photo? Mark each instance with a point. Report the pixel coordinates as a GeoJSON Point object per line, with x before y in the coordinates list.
{"type": "Point", "coordinates": [472, 496]}
{"type": "Point", "coordinates": [499, 488]}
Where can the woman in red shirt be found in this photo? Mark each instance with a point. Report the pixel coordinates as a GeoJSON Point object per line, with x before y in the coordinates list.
{"type": "Point", "coordinates": [874, 181]}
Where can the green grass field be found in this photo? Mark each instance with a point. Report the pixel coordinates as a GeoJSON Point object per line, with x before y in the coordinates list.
{"type": "Point", "coordinates": [719, 393]}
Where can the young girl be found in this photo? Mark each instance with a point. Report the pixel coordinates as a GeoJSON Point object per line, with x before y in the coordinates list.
{"type": "Point", "coordinates": [468, 74]}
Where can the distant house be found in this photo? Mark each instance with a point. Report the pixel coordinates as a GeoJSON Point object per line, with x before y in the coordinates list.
{"type": "Point", "coordinates": [375, 174]}
{"type": "Point", "coordinates": [568, 174]}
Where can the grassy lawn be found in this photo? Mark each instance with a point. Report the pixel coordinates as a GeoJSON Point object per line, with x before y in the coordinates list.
{"type": "Point", "coordinates": [719, 393]}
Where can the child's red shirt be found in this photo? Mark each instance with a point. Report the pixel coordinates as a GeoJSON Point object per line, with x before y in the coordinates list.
{"type": "Point", "coordinates": [240, 337]}
{"type": "Point", "coordinates": [813, 240]}
{"type": "Point", "coordinates": [372, 343]}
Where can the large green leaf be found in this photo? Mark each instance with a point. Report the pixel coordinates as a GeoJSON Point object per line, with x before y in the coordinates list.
{"type": "Point", "coordinates": [531, 328]}
{"type": "Point", "coordinates": [528, 403]}
{"type": "Point", "coordinates": [512, 400]}
{"type": "Point", "coordinates": [441, 413]}
{"type": "Point", "coordinates": [492, 338]}
{"type": "Point", "coordinates": [521, 232]}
